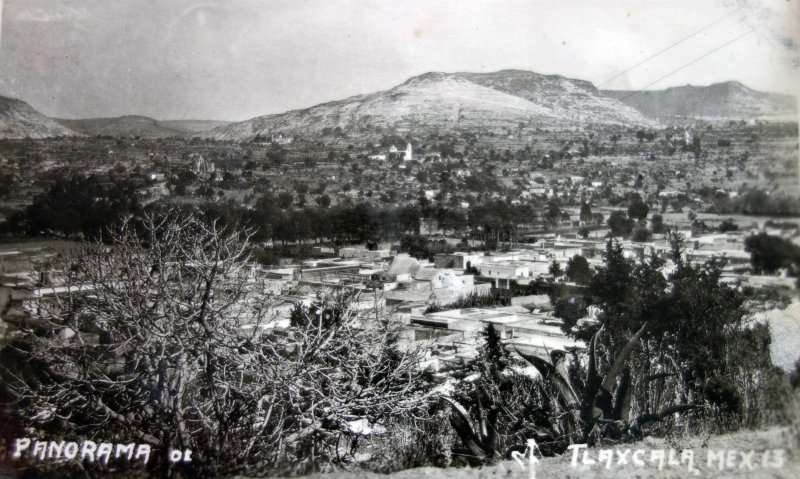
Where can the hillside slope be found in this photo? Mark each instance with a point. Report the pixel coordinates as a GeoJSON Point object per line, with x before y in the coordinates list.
{"type": "Point", "coordinates": [19, 120]}
{"type": "Point", "coordinates": [728, 100]}
{"type": "Point", "coordinates": [193, 126]}
{"type": "Point", "coordinates": [577, 100]}
{"type": "Point", "coordinates": [460, 100]}
{"type": "Point", "coordinates": [131, 125]}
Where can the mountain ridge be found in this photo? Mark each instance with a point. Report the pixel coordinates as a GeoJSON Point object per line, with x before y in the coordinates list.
{"type": "Point", "coordinates": [506, 100]}
{"type": "Point", "coordinates": [724, 100]}
{"type": "Point", "coordinates": [502, 99]}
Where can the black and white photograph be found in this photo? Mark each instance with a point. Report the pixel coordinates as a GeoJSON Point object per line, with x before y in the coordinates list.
{"type": "Point", "coordinates": [332, 239]}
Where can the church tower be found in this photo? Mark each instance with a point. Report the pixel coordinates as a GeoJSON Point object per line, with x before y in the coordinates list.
{"type": "Point", "coordinates": [409, 153]}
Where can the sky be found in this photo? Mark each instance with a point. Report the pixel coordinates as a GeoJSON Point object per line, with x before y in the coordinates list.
{"type": "Point", "coordinates": [237, 59]}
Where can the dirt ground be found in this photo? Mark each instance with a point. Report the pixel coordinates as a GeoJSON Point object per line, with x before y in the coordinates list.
{"type": "Point", "coordinates": [770, 453]}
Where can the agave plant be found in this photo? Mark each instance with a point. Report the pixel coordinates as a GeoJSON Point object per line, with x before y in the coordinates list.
{"type": "Point", "coordinates": [479, 436]}
{"type": "Point", "coordinates": [597, 407]}
{"type": "Point", "coordinates": [600, 407]}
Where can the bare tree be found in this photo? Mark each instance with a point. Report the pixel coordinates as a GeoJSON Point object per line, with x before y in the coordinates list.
{"type": "Point", "coordinates": [146, 339]}
{"type": "Point", "coordinates": [166, 337]}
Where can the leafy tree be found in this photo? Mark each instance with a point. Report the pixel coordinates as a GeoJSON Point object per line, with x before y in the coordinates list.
{"type": "Point", "coordinates": [638, 210]}
{"type": "Point", "coordinates": [77, 207]}
{"type": "Point", "coordinates": [769, 253]}
{"type": "Point", "coordinates": [660, 346]}
{"type": "Point", "coordinates": [728, 225]}
{"type": "Point", "coordinates": [697, 146]}
{"type": "Point", "coordinates": [553, 212]}
{"type": "Point", "coordinates": [794, 376]}
{"type": "Point", "coordinates": [410, 221]}
{"type": "Point", "coordinates": [420, 247]}
{"type": "Point", "coordinates": [586, 213]}
{"type": "Point", "coordinates": [6, 183]}
{"type": "Point", "coordinates": [578, 270]}
{"type": "Point", "coordinates": [657, 224]}
{"type": "Point", "coordinates": [642, 234]}
{"type": "Point", "coordinates": [555, 269]}
{"type": "Point", "coordinates": [300, 188]}
{"type": "Point", "coordinates": [620, 224]}
{"type": "Point", "coordinates": [570, 308]}
{"type": "Point", "coordinates": [284, 199]}
{"type": "Point", "coordinates": [691, 322]}
{"type": "Point", "coordinates": [276, 155]}
{"type": "Point", "coordinates": [323, 201]}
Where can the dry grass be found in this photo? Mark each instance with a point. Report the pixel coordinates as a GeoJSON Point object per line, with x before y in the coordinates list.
{"type": "Point", "coordinates": [783, 437]}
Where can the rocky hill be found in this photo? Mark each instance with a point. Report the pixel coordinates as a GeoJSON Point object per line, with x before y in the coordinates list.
{"type": "Point", "coordinates": [20, 120]}
{"type": "Point", "coordinates": [457, 101]}
{"type": "Point", "coordinates": [728, 100]}
{"type": "Point", "coordinates": [576, 100]}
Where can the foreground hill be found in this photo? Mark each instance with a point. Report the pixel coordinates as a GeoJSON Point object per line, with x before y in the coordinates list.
{"type": "Point", "coordinates": [20, 120]}
{"type": "Point", "coordinates": [728, 100]}
{"type": "Point", "coordinates": [503, 99]}
{"type": "Point", "coordinates": [742, 463]}
{"type": "Point", "coordinates": [140, 126]}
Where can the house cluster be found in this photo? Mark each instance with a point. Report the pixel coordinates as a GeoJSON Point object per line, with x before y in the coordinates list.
{"type": "Point", "coordinates": [417, 292]}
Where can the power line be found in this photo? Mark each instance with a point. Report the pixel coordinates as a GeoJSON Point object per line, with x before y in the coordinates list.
{"type": "Point", "coordinates": [670, 47]}
{"type": "Point", "coordinates": [690, 63]}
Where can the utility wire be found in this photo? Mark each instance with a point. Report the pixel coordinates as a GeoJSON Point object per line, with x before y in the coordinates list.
{"type": "Point", "coordinates": [669, 47]}
{"type": "Point", "coordinates": [690, 63]}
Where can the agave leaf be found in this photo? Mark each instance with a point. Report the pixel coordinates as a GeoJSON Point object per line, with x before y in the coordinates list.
{"type": "Point", "coordinates": [664, 413]}
{"type": "Point", "coordinates": [466, 432]}
{"type": "Point", "coordinates": [491, 438]}
{"type": "Point", "coordinates": [603, 407]}
{"type": "Point", "coordinates": [592, 382]}
{"type": "Point", "coordinates": [551, 373]}
{"type": "Point", "coordinates": [619, 363]}
{"type": "Point", "coordinates": [622, 397]}
{"type": "Point", "coordinates": [482, 428]}
{"type": "Point", "coordinates": [561, 363]}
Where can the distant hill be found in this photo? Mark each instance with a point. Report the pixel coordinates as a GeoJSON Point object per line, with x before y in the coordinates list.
{"type": "Point", "coordinates": [196, 126]}
{"type": "Point", "coordinates": [140, 126]}
{"type": "Point", "coordinates": [20, 120]}
{"type": "Point", "coordinates": [457, 101]}
{"type": "Point", "coordinates": [728, 100]}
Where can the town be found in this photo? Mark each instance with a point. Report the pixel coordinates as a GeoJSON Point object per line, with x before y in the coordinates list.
{"type": "Point", "coordinates": [459, 239]}
{"type": "Point", "coordinates": [522, 216]}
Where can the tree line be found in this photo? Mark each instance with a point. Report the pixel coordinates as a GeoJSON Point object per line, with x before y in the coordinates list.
{"type": "Point", "coordinates": [81, 207]}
